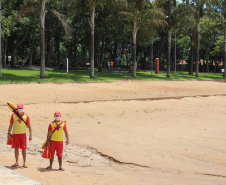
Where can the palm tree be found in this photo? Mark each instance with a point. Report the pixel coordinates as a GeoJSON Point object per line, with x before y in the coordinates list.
{"type": "Point", "coordinates": [224, 13]}
{"type": "Point", "coordinates": [199, 6]}
{"type": "Point", "coordinates": [196, 34]}
{"type": "Point", "coordinates": [90, 6]}
{"type": "Point", "coordinates": [32, 7]}
{"type": "Point", "coordinates": [10, 19]}
{"type": "Point", "coordinates": [169, 7]}
{"type": "Point", "coordinates": [42, 38]}
{"type": "Point", "coordinates": [142, 18]}
{"type": "Point", "coordinates": [177, 15]}
{"type": "Point", "coordinates": [222, 20]}
{"type": "Point", "coordinates": [184, 24]}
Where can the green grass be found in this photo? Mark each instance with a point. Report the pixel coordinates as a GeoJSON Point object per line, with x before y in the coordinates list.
{"type": "Point", "coordinates": [29, 76]}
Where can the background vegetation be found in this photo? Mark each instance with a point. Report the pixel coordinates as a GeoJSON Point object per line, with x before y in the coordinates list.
{"type": "Point", "coordinates": [46, 32]}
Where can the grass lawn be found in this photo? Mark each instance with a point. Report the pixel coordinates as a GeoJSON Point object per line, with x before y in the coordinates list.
{"type": "Point", "coordinates": [32, 76]}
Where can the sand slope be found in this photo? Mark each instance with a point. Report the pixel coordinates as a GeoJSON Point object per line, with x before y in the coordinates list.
{"type": "Point", "coordinates": [125, 132]}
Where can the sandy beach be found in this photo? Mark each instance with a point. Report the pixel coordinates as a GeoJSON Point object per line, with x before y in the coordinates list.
{"type": "Point", "coordinates": [124, 132]}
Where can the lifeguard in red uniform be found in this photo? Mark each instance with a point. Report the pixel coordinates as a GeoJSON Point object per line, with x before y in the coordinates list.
{"type": "Point", "coordinates": [19, 133]}
{"type": "Point", "coordinates": [56, 140]}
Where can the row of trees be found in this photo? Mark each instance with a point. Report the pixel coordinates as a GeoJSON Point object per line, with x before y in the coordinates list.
{"type": "Point", "coordinates": [47, 31]}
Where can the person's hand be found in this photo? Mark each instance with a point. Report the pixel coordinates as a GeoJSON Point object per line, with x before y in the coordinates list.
{"type": "Point", "coordinates": [48, 144]}
{"type": "Point", "coordinates": [9, 136]}
{"type": "Point", "coordinates": [67, 142]}
{"type": "Point", "coordinates": [30, 137]}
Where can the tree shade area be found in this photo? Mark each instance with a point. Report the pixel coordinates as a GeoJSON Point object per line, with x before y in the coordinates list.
{"type": "Point", "coordinates": [60, 76]}
{"type": "Point", "coordinates": [186, 35]}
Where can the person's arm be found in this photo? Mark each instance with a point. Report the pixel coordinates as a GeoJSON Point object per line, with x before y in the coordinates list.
{"type": "Point", "coordinates": [9, 130]}
{"type": "Point", "coordinates": [48, 136]}
{"type": "Point", "coordinates": [67, 136]}
{"type": "Point", "coordinates": [30, 131]}
{"type": "Point", "coordinates": [29, 127]}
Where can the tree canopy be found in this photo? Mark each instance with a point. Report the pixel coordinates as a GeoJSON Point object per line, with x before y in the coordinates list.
{"type": "Point", "coordinates": [45, 32]}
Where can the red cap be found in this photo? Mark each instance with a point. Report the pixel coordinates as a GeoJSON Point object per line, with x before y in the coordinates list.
{"type": "Point", "coordinates": [20, 106]}
{"type": "Point", "coordinates": [57, 113]}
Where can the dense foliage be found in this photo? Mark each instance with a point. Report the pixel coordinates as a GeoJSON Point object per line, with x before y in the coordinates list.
{"type": "Point", "coordinates": [46, 32]}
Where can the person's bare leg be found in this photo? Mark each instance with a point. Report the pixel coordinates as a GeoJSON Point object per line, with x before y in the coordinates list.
{"type": "Point", "coordinates": [51, 163]}
{"type": "Point", "coordinates": [60, 163]}
{"type": "Point", "coordinates": [16, 157]}
{"type": "Point", "coordinates": [24, 158]}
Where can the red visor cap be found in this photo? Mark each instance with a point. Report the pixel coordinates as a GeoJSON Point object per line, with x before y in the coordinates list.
{"type": "Point", "coordinates": [57, 113]}
{"type": "Point", "coordinates": [20, 106]}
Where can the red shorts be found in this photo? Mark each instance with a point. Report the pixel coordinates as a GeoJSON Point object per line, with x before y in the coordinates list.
{"type": "Point", "coordinates": [58, 146]}
{"type": "Point", "coordinates": [19, 140]}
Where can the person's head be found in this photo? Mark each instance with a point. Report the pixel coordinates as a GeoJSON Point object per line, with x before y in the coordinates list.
{"type": "Point", "coordinates": [20, 108]}
{"type": "Point", "coordinates": [57, 116]}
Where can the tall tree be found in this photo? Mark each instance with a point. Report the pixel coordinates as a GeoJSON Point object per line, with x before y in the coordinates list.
{"type": "Point", "coordinates": [199, 5]}
{"type": "Point", "coordinates": [222, 23]}
{"type": "Point", "coordinates": [31, 7]}
{"type": "Point", "coordinates": [10, 21]}
{"type": "Point", "coordinates": [92, 26]}
{"type": "Point", "coordinates": [141, 18]}
{"type": "Point", "coordinates": [90, 6]}
{"type": "Point", "coordinates": [169, 7]}
{"type": "Point", "coordinates": [18, 43]}
{"type": "Point", "coordinates": [42, 37]}
{"type": "Point", "coordinates": [177, 15]}
{"type": "Point", "coordinates": [184, 26]}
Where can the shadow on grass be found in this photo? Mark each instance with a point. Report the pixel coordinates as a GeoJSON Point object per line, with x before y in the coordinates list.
{"type": "Point", "coordinates": [28, 76]}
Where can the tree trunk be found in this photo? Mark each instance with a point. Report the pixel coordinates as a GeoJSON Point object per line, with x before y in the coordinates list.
{"type": "Point", "coordinates": [57, 45]}
{"type": "Point", "coordinates": [48, 51]}
{"type": "Point", "coordinates": [55, 54]}
{"type": "Point", "coordinates": [197, 49]}
{"type": "Point", "coordinates": [84, 53]}
{"type": "Point", "coordinates": [191, 58]}
{"type": "Point", "coordinates": [207, 64]}
{"type": "Point", "coordinates": [13, 59]}
{"type": "Point", "coordinates": [169, 53]}
{"type": "Point", "coordinates": [98, 54]}
{"type": "Point", "coordinates": [102, 53]}
{"type": "Point", "coordinates": [182, 61]}
{"type": "Point", "coordinates": [134, 34]}
{"type": "Point", "coordinates": [42, 39]}
{"type": "Point", "coordinates": [192, 61]}
{"type": "Point", "coordinates": [204, 64]}
{"type": "Point", "coordinates": [16, 46]}
{"type": "Point", "coordinates": [32, 48]}
{"type": "Point", "coordinates": [115, 52]}
{"type": "Point", "coordinates": [224, 74]}
{"type": "Point", "coordinates": [57, 51]}
{"type": "Point", "coordinates": [35, 61]}
{"type": "Point", "coordinates": [128, 62]}
{"type": "Point", "coordinates": [75, 55]}
{"type": "Point", "coordinates": [122, 51]}
{"type": "Point", "coordinates": [5, 50]}
{"type": "Point", "coordinates": [92, 26]}
{"type": "Point", "coordinates": [74, 50]}
{"type": "Point", "coordinates": [70, 53]}
{"type": "Point", "coordinates": [4, 56]}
